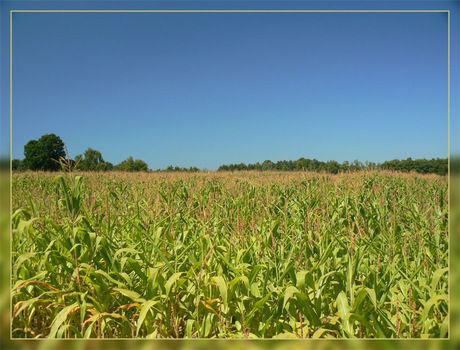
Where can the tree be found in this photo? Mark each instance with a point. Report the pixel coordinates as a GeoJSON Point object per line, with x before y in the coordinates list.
{"type": "Point", "coordinates": [268, 165]}
{"type": "Point", "coordinates": [93, 158]}
{"type": "Point", "coordinates": [140, 165]}
{"type": "Point", "coordinates": [131, 165]}
{"type": "Point", "coordinates": [242, 166]}
{"type": "Point", "coordinates": [357, 165]}
{"type": "Point", "coordinates": [105, 166]}
{"type": "Point", "coordinates": [43, 154]}
{"type": "Point", "coordinates": [92, 161]}
{"type": "Point", "coordinates": [17, 164]}
{"type": "Point", "coordinates": [332, 167]}
{"type": "Point", "coordinates": [423, 166]}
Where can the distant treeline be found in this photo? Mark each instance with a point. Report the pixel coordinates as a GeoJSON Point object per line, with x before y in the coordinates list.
{"type": "Point", "coordinates": [192, 169]}
{"type": "Point", "coordinates": [49, 152]}
{"type": "Point", "coordinates": [423, 166]}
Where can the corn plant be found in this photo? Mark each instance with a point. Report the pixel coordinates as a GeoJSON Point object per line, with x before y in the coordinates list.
{"type": "Point", "coordinates": [229, 255]}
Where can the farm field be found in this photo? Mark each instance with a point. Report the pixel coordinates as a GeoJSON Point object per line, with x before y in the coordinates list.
{"type": "Point", "coordinates": [229, 255]}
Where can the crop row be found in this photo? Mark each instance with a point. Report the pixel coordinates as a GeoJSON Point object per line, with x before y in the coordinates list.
{"type": "Point", "coordinates": [230, 255]}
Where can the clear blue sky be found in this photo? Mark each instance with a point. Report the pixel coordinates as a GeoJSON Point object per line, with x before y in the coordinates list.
{"type": "Point", "coordinates": [205, 89]}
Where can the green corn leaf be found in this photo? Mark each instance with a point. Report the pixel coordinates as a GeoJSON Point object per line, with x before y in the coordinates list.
{"type": "Point", "coordinates": [134, 296]}
{"type": "Point", "coordinates": [61, 317]}
{"type": "Point", "coordinates": [436, 277]}
{"type": "Point", "coordinates": [344, 312]}
{"type": "Point", "coordinates": [288, 294]}
{"type": "Point", "coordinates": [144, 310]}
{"type": "Point", "coordinates": [430, 303]}
{"type": "Point", "coordinates": [171, 281]}
{"type": "Point", "coordinates": [222, 289]}
{"type": "Point", "coordinates": [125, 250]}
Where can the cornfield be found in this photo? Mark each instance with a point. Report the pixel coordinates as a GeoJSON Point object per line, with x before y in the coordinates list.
{"type": "Point", "coordinates": [229, 255]}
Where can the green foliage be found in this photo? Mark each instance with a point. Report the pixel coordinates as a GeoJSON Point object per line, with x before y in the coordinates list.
{"type": "Point", "coordinates": [422, 166]}
{"type": "Point", "coordinates": [104, 166]}
{"type": "Point", "coordinates": [92, 161]}
{"type": "Point", "coordinates": [171, 168]}
{"type": "Point", "coordinates": [243, 255]}
{"type": "Point", "coordinates": [44, 154]}
{"type": "Point", "coordinates": [40, 155]}
{"type": "Point", "coordinates": [131, 165]}
{"type": "Point", "coordinates": [18, 165]}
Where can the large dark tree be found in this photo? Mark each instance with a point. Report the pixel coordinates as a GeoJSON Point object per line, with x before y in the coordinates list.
{"type": "Point", "coordinates": [39, 154]}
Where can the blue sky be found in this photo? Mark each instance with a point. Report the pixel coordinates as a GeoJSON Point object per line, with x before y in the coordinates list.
{"type": "Point", "coordinates": [205, 89]}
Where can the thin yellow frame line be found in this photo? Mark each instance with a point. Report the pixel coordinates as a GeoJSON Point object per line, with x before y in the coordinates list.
{"type": "Point", "coordinates": [273, 11]}
{"type": "Point", "coordinates": [448, 170]}
{"type": "Point", "coordinates": [11, 163]}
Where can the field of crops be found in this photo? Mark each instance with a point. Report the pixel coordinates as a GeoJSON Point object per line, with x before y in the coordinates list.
{"type": "Point", "coordinates": [229, 255]}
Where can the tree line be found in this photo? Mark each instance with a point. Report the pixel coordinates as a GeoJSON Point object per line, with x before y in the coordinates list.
{"type": "Point", "coordinates": [48, 153]}
{"type": "Point", "coordinates": [45, 153]}
{"type": "Point", "coordinates": [423, 166]}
